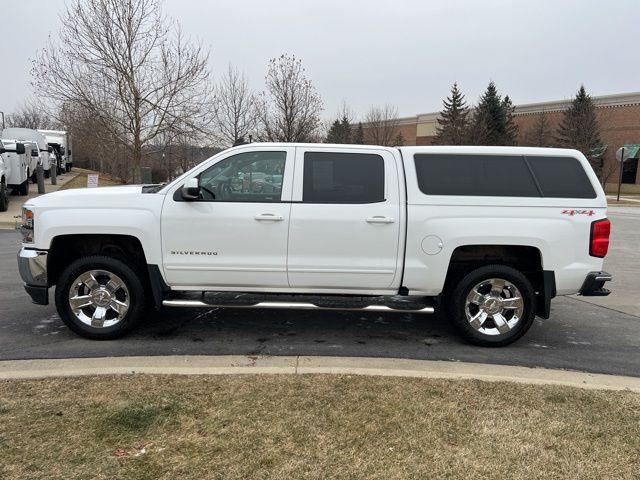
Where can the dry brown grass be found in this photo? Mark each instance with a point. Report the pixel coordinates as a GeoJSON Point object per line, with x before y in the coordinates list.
{"type": "Point", "coordinates": [81, 180]}
{"type": "Point", "coordinates": [284, 427]}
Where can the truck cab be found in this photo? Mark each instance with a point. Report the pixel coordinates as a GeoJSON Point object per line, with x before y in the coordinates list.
{"type": "Point", "coordinates": [487, 234]}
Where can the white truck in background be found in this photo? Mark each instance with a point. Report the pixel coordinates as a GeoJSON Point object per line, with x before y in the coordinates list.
{"type": "Point", "coordinates": [27, 134]}
{"type": "Point", "coordinates": [35, 158]}
{"type": "Point", "coordinates": [4, 191]}
{"type": "Point", "coordinates": [17, 163]}
{"type": "Point", "coordinates": [488, 234]}
{"type": "Point", "coordinates": [60, 141]}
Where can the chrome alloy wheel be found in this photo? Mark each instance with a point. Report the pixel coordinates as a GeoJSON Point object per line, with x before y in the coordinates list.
{"type": "Point", "coordinates": [494, 306]}
{"type": "Point", "coordinates": [99, 298]}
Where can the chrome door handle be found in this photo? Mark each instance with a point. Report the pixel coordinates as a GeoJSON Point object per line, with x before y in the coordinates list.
{"type": "Point", "coordinates": [380, 219]}
{"type": "Point", "coordinates": [269, 217]}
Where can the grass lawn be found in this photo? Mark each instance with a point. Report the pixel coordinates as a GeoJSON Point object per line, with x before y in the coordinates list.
{"type": "Point", "coordinates": [289, 427]}
{"type": "Point", "coordinates": [81, 180]}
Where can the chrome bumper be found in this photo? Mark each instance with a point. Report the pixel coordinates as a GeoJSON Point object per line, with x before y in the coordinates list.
{"type": "Point", "coordinates": [32, 265]}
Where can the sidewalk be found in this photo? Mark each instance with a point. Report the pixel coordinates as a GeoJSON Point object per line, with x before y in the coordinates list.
{"type": "Point", "coordinates": [300, 365]}
{"type": "Point", "coordinates": [10, 219]}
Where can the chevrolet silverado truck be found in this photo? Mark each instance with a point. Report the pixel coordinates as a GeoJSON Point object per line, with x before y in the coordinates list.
{"type": "Point", "coordinates": [487, 234]}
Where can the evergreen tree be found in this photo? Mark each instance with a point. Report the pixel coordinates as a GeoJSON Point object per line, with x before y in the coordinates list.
{"type": "Point", "coordinates": [510, 136]}
{"type": "Point", "coordinates": [452, 122]}
{"type": "Point", "coordinates": [358, 137]}
{"type": "Point", "coordinates": [579, 128]}
{"type": "Point", "coordinates": [334, 134]}
{"type": "Point", "coordinates": [492, 122]}
{"type": "Point", "coordinates": [340, 131]}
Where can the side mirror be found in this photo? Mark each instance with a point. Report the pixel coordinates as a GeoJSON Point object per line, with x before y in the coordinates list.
{"type": "Point", "coordinates": [20, 150]}
{"type": "Point", "coordinates": [191, 190]}
{"type": "Point", "coordinates": [2, 150]}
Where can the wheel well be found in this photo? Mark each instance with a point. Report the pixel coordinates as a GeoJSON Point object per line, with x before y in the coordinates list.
{"type": "Point", "coordinates": [68, 248]}
{"type": "Point", "coordinates": [526, 259]}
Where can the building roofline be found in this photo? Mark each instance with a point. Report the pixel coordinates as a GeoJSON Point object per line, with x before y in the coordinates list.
{"type": "Point", "coordinates": [602, 101]}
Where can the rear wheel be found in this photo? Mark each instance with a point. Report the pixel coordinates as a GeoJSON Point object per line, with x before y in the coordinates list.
{"type": "Point", "coordinates": [23, 189]}
{"type": "Point", "coordinates": [4, 197]}
{"type": "Point", "coordinates": [100, 297]}
{"type": "Point", "coordinates": [493, 306]}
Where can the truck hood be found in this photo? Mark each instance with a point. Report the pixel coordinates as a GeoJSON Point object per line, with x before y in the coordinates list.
{"type": "Point", "coordinates": [91, 197]}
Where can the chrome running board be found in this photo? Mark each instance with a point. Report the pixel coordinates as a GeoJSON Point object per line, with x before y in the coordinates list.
{"type": "Point", "coordinates": [293, 305]}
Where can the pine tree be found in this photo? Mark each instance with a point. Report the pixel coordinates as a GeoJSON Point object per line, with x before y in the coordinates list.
{"type": "Point", "coordinates": [334, 134]}
{"type": "Point", "coordinates": [358, 137]}
{"type": "Point", "coordinates": [579, 128]}
{"type": "Point", "coordinates": [452, 122]}
{"type": "Point", "coordinates": [510, 136]}
{"type": "Point", "coordinates": [340, 131]}
{"type": "Point", "coordinates": [492, 122]}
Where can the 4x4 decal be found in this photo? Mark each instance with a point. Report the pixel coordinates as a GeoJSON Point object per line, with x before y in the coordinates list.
{"type": "Point", "coordinates": [578, 212]}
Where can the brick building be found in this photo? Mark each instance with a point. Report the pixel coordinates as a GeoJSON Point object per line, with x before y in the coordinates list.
{"type": "Point", "coordinates": [618, 115]}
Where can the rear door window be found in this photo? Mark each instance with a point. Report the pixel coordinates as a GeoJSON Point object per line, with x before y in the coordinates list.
{"type": "Point", "coordinates": [475, 175]}
{"type": "Point", "coordinates": [561, 177]}
{"type": "Point", "coordinates": [331, 177]}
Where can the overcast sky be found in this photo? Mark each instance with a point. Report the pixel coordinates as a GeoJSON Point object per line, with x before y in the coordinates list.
{"type": "Point", "coordinates": [403, 52]}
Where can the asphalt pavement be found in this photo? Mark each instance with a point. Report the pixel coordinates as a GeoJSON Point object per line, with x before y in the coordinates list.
{"type": "Point", "coordinates": [584, 334]}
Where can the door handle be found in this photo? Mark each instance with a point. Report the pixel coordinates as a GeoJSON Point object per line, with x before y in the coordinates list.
{"type": "Point", "coordinates": [269, 217]}
{"type": "Point", "coordinates": [380, 219]}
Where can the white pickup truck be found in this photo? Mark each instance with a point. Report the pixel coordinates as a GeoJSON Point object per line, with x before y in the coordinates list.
{"type": "Point", "coordinates": [491, 234]}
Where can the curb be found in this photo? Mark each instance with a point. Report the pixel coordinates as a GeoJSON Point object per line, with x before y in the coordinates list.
{"type": "Point", "coordinates": [301, 365]}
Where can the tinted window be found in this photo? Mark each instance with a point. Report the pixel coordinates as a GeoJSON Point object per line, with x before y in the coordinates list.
{"type": "Point", "coordinates": [480, 175]}
{"type": "Point", "coordinates": [343, 178]}
{"type": "Point", "coordinates": [561, 177]}
{"type": "Point", "coordinates": [245, 177]}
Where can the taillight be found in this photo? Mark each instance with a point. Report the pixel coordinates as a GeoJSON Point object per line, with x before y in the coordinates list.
{"type": "Point", "coordinates": [599, 243]}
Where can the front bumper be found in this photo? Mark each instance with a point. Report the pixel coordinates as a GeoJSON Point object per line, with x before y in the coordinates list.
{"type": "Point", "coordinates": [593, 285]}
{"type": "Point", "coordinates": [32, 265]}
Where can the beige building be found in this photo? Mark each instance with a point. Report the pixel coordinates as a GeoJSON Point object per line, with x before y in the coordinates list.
{"type": "Point", "coordinates": [618, 115]}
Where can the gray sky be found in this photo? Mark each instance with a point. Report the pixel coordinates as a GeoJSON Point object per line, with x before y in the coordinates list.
{"type": "Point", "coordinates": [403, 52]}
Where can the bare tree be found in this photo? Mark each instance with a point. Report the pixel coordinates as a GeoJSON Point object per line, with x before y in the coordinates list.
{"type": "Point", "coordinates": [290, 108]}
{"type": "Point", "coordinates": [541, 132]}
{"type": "Point", "coordinates": [235, 108]}
{"type": "Point", "coordinates": [130, 68]}
{"type": "Point", "coordinates": [381, 125]}
{"type": "Point", "coordinates": [34, 115]}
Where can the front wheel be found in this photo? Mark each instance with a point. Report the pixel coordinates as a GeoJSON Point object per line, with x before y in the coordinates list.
{"type": "Point", "coordinates": [493, 306]}
{"type": "Point", "coordinates": [100, 297]}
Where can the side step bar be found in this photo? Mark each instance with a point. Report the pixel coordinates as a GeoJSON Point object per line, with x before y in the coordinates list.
{"type": "Point", "coordinates": [294, 305]}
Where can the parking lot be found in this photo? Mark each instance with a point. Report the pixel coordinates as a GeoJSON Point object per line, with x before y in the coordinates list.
{"type": "Point", "coordinates": [589, 334]}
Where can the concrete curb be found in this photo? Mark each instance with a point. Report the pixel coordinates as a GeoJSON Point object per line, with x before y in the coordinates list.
{"type": "Point", "coordinates": [300, 365]}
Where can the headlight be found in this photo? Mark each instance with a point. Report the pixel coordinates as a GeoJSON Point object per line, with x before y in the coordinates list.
{"type": "Point", "coordinates": [27, 225]}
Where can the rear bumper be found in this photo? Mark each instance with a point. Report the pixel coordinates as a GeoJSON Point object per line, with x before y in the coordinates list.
{"type": "Point", "coordinates": [32, 265]}
{"type": "Point", "coordinates": [593, 285]}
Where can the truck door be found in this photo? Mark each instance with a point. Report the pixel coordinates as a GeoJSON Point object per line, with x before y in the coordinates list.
{"type": "Point", "coordinates": [235, 235]}
{"type": "Point", "coordinates": [345, 220]}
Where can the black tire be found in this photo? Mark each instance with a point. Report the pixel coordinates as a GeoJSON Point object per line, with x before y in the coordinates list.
{"type": "Point", "coordinates": [132, 280]}
{"type": "Point", "coordinates": [4, 197]}
{"type": "Point", "coordinates": [457, 304]}
{"type": "Point", "coordinates": [23, 189]}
